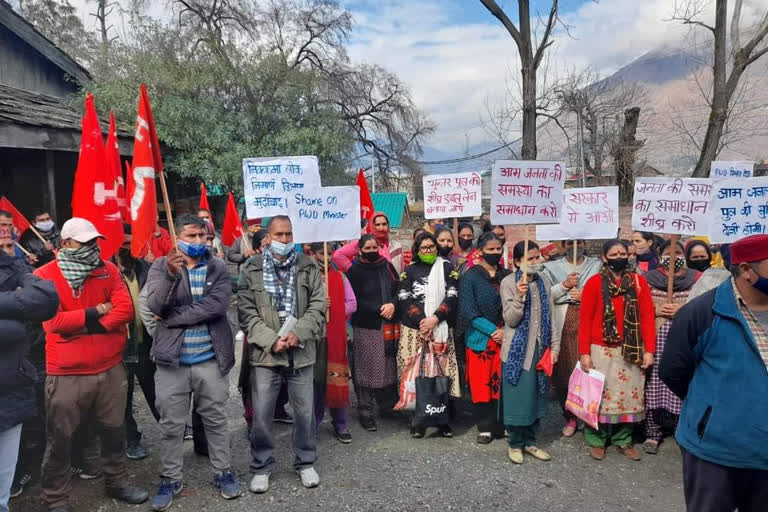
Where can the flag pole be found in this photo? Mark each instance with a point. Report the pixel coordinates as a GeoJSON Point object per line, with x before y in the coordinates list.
{"type": "Point", "coordinates": [168, 214]}
{"type": "Point", "coordinates": [524, 262]}
{"type": "Point", "coordinates": [325, 269]}
{"type": "Point", "coordinates": [37, 233]}
{"type": "Point", "coordinates": [671, 268]}
{"type": "Point", "coordinates": [26, 252]}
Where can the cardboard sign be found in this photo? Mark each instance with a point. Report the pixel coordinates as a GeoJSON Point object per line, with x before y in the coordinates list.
{"type": "Point", "coordinates": [527, 192]}
{"type": "Point", "coordinates": [739, 209]}
{"type": "Point", "coordinates": [325, 214]}
{"type": "Point", "coordinates": [588, 214]}
{"type": "Point", "coordinates": [452, 195]}
{"type": "Point", "coordinates": [726, 170]}
{"type": "Point", "coordinates": [268, 182]}
{"type": "Point", "coordinates": [675, 206]}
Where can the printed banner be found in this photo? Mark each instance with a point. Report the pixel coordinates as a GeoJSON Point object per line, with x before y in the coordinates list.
{"type": "Point", "coordinates": [452, 195]}
{"type": "Point", "coordinates": [325, 214]}
{"type": "Point", "coordinates": [725, 170]}
{"type": "Point", "coordinates": [527, 192]}
{"type": "Point", "coordinates": [739, 209]}
{"type": "Point", "coordinates": [588, 213]}
{"type": "Point", "coordinates": [268, 182]}
{"type": "Point", "coordinates": [674, 206]}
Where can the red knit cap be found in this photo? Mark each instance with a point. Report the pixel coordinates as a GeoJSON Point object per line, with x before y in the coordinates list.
{"type": "Point", "coordinates": [750, 249]}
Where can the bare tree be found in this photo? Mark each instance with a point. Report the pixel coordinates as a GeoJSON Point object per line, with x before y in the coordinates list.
{"type": "Point", "coordinates": [625, 152]}
{"type": "Point", "coordinates": [724, 82]}
{"type": "Point", "coordinates": [103, 10]}
{"type": "Point", "coordinates": [531, 55]}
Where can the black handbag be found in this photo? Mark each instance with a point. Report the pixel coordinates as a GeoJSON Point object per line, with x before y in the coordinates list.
{"type": "Point", "coordinates": [431, 399]}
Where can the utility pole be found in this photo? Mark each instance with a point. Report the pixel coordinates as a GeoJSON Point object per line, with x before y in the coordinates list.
{"type": "Point", "coordinates": [580, 148]}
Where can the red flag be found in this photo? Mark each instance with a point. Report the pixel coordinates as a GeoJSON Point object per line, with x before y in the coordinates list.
{"type": "Point", "coordinates": [366, 204]}
{"type": "Point", "coordinates": [19, 221]}
{"type": "Point", "coordinates": [203, 198]}
{"type": "Point", "coordinates": [233, 226]}
{"type": "Point", "coordinates": [141, 181]}
{"type": "Point", "coordinates": [94, 195]}
{"type": "Point", "coordinates": [114, 167]}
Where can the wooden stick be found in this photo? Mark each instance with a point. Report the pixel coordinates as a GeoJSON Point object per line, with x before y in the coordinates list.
{"type": "Point", "coordinates": [325, 270]}
{"type": "Point", "coordinates": [456, 247]}
{"type": "Point", "coordinates": [168, 214]}
{"type": "Point", "coordinates": [671, 268]}
{"type": "Point", "coordinates": [575, 258]}
{"type": "Point", "coordinates": [26, 252]}
{"type": "Point", "coordinates": [42, 239]}
{"type": "Point", "coordinates": [524, 262]}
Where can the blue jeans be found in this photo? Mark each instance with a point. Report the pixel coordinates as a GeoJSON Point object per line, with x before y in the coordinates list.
{"type": "Point", "coordinates": [265, 387]}
{"type": "Point", "coordinates": [9, 453]}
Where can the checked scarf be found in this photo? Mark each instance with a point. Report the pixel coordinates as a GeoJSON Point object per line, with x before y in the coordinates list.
{"type": "Point", "coordinates": [77, 264]}
{"type": "Point", "coordinates": [514, 364]}
{"type": "Point", "coordinates": [280, 282]}
{"type": "Point", "coordinates": [631, 345]}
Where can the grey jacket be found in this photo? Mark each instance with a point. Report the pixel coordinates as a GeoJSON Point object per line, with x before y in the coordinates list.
{"type": "Point", "coordinates": [260, 322]}
{"type": "Point", "coordinates": [170, 298]}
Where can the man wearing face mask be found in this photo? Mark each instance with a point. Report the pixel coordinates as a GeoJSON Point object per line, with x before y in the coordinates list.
{"type": "Point", "coordinates": [716, 361]}
{"type": "Point", "coordinates": [47, 228]}
{"type": "Point", "coordinates": [86, 379]}
{"type": "Point", "coordinates": [189, 291]}
{"type": "Point", "coordinates": [282, 305]}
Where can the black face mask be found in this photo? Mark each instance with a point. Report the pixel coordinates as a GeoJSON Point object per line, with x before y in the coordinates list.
{"type": "Point", "coordinates": [618, 264]}
{"type": "Point", "coordinates": [492, 259]}
{"type": "Point", "coordinates": [465, 244]}
{"type": "Point", "coordinates": [445, 251]}
{"type": "Point", "coordinates": [370, 256]}
{"type": "Point", "coordinates": [700, 265]}
{"type": "Point", "coordinates": [503, 241]}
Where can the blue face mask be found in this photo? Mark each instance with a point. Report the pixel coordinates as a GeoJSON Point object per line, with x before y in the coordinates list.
{"type": "Point", "coordinates": [193, 250]}
{"type": "Point", "coordinates": [761, 284]}
{"type": "Point", "coordinates": [281, 249]}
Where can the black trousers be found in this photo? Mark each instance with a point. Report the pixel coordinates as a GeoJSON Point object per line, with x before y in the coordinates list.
{"type": "Point", "coordinates": [710, 487]}
{"type": "Point", "coordinates": [144, 372]}
{"type": "Point", "coordinates": [32, 446]}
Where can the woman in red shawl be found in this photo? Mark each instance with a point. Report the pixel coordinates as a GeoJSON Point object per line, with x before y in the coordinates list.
{"type": "Point", "coordinates": [390, 249]}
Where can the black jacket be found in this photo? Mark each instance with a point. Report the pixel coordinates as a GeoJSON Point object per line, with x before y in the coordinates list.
{"type": "Point", "coordinates": [24, 299]}
{"type": "Point", "coordinates": [412, 291]}
{"type": "Point", "coordinates": [33, 244]}
{"type": "Point", "coordinates": [374, 284]}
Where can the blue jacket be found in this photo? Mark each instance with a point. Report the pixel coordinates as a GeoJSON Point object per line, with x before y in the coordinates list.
{"type": "Point", "coordinates": [711, 361]}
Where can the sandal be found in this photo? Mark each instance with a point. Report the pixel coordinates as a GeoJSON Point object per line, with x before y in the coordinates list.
{"type": "Point", "coordinates": [651, 447]}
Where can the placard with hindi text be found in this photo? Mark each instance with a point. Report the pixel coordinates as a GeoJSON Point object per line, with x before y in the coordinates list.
{"type": "Point", "coordinates": [526, 192]}
{"type": "Point", "coordinates": [674, 206]}
{"type": "Point", "coordinates": [452, 195]}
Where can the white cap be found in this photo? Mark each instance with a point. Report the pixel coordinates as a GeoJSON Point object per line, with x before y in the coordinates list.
{"type": "Point", "coordinates": [80, 230]}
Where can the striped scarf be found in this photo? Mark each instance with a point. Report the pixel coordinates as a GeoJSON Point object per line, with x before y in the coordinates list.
{"type": "Point", "coordinates": [77, 264]}
{"type": "Point", "coordinates": [280, 282]}
{"type": "Point", "coordinates": [514, 364]}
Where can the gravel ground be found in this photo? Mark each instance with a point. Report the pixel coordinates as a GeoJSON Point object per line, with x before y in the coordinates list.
{"type": "Point", "coordinates": [388, 471]}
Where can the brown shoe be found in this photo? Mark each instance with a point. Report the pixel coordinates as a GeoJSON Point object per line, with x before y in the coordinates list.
{"type": "Point", "coordinates": [630, 452]}
{"type": "Point", "coordinates": [597, 452]}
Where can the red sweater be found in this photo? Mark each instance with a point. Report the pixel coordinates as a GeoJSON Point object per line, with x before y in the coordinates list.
{"type": "Point", "coordinates": [69, 350]}
{"type": "Point", "coordinates": [591, 315]}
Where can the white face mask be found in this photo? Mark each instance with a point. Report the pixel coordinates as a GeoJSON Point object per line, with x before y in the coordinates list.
{"type": "Point", "coordinates": [46, 225]}
{"type": "Point", "coordinates": [533, 268]}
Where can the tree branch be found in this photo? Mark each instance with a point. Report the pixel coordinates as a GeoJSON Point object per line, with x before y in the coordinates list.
{"type": "Point", "coordinates": [499, 14]}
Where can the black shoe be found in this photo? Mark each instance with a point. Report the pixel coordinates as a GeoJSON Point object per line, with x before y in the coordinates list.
{"type": "Point", "coordinates": [17, 487]}
{"type": "Point", "coordinates": [201, 449]}
{"type": "Point", "coordinates": [343, 437]}
{"type": "Point", "coordinates": [418, 433]}
{"type": "Point", "coordinates": [446, 431]}
{"type": "Point", "coordinates": [130, 495]}
{"type": "Point", "coordinates": [135, 451]}
{"type": "Point", "coordinates": [484, 438]}
{"type": "Point", "coordinates": [283, 417]}
{"type": "Point", "coordinates": [188, 433]}
{"type": "Point", "coordinates": [368, 424]}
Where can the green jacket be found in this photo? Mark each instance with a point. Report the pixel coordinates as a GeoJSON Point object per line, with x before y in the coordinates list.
{"type": "Point", "coordinates": [260, 321]}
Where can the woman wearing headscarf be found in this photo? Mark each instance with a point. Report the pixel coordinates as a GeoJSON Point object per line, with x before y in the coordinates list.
{"type": "Point", "coordinates": [375, 333]}
{"type": "Point", "coordinates": [390, 249]}
{"type": "Point", "coordinates": [617, 337]}
{"type": "Point", "coordinates": [662, 406]}
{"type": "Point", "coordinates": [426, 302]}
{"type": "Point", "coordinates": [566, 282]}
{"type": "Point", "coordinates": [480, 322]}
{"type": "Point", "coordinates": [528, 333]}
{"type": "Point", "coordinates": [698, 255]}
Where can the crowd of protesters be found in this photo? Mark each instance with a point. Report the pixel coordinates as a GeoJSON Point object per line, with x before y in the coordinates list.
{"type": "Point", "coordinates": [79, 332]}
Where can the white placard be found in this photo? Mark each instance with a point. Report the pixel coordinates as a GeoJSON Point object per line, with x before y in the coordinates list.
{"type": "Point", "coordinates": [721, 170]}
{"type": "Point", "coordinates": [739, 209]}
{"type": "Point", "coordinates": [267, 183]}
{"type": "Point", "coordinates": [527, 192]}
{"type": "Point", "coordinates": [452, 195]}
{"type": "Point", "coordinates": [674, 206]}
{"type": "Point", "coordinates": [325, 214]}
{"type": "Point", "coordinates": [588, 214]}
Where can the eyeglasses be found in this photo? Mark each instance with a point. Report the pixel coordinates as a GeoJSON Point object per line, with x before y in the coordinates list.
{"type": "Point", "coordinates": [427, 248]}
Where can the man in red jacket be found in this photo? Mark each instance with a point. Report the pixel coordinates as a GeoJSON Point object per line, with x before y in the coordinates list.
{"type": "Point", "coordinates": [86, 379]}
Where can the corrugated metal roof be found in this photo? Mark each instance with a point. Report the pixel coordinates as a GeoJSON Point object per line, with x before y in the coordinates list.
{"type": "Point", "coordinates": [393, 204]}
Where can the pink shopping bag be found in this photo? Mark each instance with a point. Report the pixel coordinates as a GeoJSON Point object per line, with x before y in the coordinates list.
{"type": "Point", "coordinates": [585, 392]}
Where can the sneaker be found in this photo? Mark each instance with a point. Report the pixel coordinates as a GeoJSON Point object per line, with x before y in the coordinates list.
{"type": "Point", "coordinates": [130, 495]}
{"type": "Point", "coordinates": [537, 453]}
{"type": "Point", "coordinates": [188, 433]}
{"type": "Point", "coordinates": [570, 428]}
{"type": "Point", "coordinates": [484, 438]}
{"type": "Point", "coordinates": [260, 483]}
{"type": "Point", "coordinates": [368, 424]}
{"type": "Point", "coordinates": [343, 437]}
{"type": "Point", "coordinates": [446, 431]}
{"type": "Point", "coordinates": [651, 447]}
{"type": "Point", "coordinates": [17, 487]}
{"type": "Point", "coordinates": [515, 455]}
{"type": "Point", "coordinates": [418, 433]}
{"type": "Point", "coordinates": [240, 336]}
{"type": "Point", "coordinates": [168, 490]}
{"type": "Point", "coordinates": [135, 451]}
{"type": "Point", "coordinates": [309, 477]}
{"type": "Point", "coordinates": [283, 417]}
{"type": "Point", "coordinates": [228, 484]}
{"type": "Point", "coordinates": [86, 474]}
